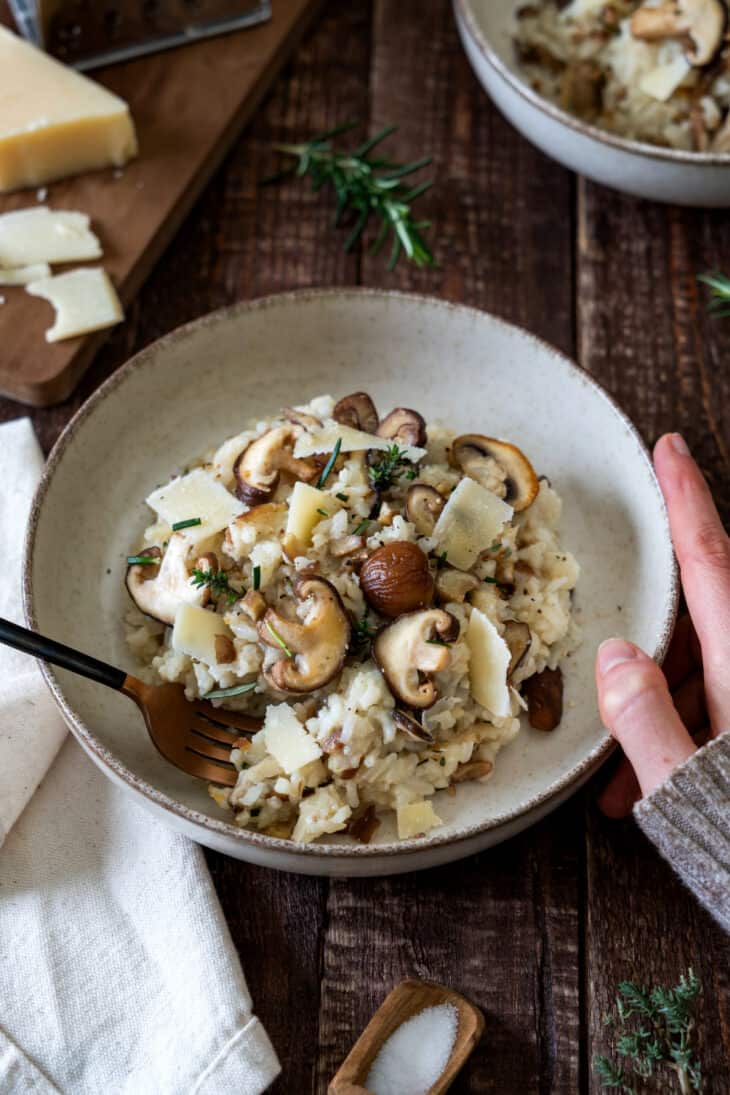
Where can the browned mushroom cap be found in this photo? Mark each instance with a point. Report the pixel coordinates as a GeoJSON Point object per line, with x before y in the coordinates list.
{"type": "Point", "coordinates": [423, 507]}
{"type": "Point", "coordinates": [404, 426]}
{"type": "Point", "coordinates": [159, 590]}
{"type": "Point", "coordinates": [257, 469]}
{"type": "Point", "coordinates": [412, 727]}
{"type": "Point", "coordinates": [315, 648]}
{"type": "Point", "coordinates": [518, 638]}
{"type": "Point", "coordinates": [410, 650]}
{"type": "Point", "coordinates": [702, 21]}
{"type": "Point", "coordinates": [358, 411]}
{"type": "Point", "coordinates": [491, 463]}
{"type": "Point", "coordinates": [396, 579]}
{"type": "Point", "coordinates": [544, 695]}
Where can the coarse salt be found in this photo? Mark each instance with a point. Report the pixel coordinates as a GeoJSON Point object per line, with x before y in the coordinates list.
{"type": "Point", "coordinates": [416, 1054]}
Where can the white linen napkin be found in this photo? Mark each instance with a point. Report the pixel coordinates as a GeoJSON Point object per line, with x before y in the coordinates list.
{"type": "Point", "coordinates": [117, 971]}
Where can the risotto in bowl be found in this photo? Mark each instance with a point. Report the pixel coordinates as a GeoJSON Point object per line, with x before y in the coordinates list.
{"type": "Point", "coordinates": [386, 595]}
{"type": "Point", "coordinates": [404, 579]}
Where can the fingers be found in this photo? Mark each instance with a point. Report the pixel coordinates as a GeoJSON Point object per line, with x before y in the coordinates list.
{"type": "Point", "coordinates": [638, 710]}
{"type": "Point", "coordinates": [684, 655]}
{"type": "Point", "coordinates": [703, 552]}
{"type": "Point", "coordinates": [689, 700]}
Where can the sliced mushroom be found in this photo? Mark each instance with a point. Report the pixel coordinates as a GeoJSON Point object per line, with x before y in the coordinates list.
{"type": "Point", "coordinates": [404, 426]}
{"type": "Point", "coordinates": [358, 411]}
{"type": "Point", "coordinates": [301, 418]}
{"type": "Point", "coordinates": [254, 605]}
{"type": "Point", "coordinates": [346, 545]}
{"type": "Point", "coordinates": [581, 89]}
{"type": "Point", "coordinates": [363, 824]}
{"type": "Point", "coordinates": [472, 769]}
{"type": "Point", "coordinates": [453, 585]}
{"type": "Point", "coordinates": [423, 507]}
{"type": "Point", "coordinates": [412, 727]}
{"type": "Point", "coordinates": [225, 651]}
{"type": "Point", "coordinates": [410, 650]}
{"type": "Point", "coordinates": [257, 469]}
{"type": "Point", "coordinates": [158, 591]}
{"type": "Point", "coordinates": [544, 695]}
{"type": "Point", "coordinates": [498, 466]}
{"type": "Point", "coordinates": [519, 640]}
{"type": "Point", "coordinates": [315, 646]}
{"type": "Point", "coordinates": [703, 21]}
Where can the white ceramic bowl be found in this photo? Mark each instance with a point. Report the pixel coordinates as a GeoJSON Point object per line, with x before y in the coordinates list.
{"type": "Point", "coordinates": [204, 382]}
{"type": "Point", "coordinates": [660, 174]}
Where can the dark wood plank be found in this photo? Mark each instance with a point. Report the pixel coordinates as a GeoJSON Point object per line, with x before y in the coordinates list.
{"type": "Point", "coordinates": [502, 928]}
{"type": "Point", "coordinates": [643, 331]}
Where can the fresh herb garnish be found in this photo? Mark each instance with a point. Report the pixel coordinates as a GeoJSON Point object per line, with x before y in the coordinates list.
{"type": "Point", "coordinates": [225, 693]}
{"type": "Point", "coordinates": [343, 497]}
{"type": "Point", "coordinates": [393, 465]}
{"type": "Point", "coordinates": [190, 523]}
{"type": "Point", "coordinates": [217, 582]}
{"type": "Point", "coordinates": [437, 642]}
{"type": "Point", "coordinates": [368, 187]}
{"type": "Point", "coordinates": [330, 464]}
{"type": "Point", "coordinates": [662, 1036]}
{"type": "Point", "coordinates": [441, 561]}
{"type": "Point", "coordinates": [495, 546]}
{"type": "Point", "coordinates": [491, 581]}
{"type": "Point", "coordinates": [361, 528]}
{"type": "Point", "coordinates": [256, 574]}
{"type": "Point", "coordinates": [323, 512]}
{"type": "Point", "coordinates": [720, 293]}
{"type": "Point", "coordinates": [142, 560]}
{"type": "Point", "coordinates": [362, 634]}
{"type": "Point", "coordinates": [278, 640]}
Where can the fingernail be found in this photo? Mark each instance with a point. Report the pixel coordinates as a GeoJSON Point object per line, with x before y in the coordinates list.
{"type": "Point", "coordinates": [614, 652]}
{"type": "Point", "coordinates": [679, 444]}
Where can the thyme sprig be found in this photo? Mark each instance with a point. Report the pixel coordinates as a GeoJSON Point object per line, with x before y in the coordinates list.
{"type": "Point", "coordinates": [217, 581]}
{"type": "Point", "coordinates": [720, 293]}
{"type": "Point", "coordinates": [362, 634]}
{"type": "Point", "coordinates": [393, 464]}
{"type": "Point", "coordinates": [367, 187]}
{"type": "Point", "coordinates": [660, 1036]}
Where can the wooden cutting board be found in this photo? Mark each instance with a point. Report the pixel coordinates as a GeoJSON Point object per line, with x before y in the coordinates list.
{"type": "Point", "coordinates": [189, 105]}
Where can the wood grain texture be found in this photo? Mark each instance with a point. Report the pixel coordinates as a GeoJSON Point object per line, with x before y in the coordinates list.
{"type": "Point", "coordinates": [537, 932]}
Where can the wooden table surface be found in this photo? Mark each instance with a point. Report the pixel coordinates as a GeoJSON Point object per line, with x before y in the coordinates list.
{"type": "Point", "coordinates": [538, 931]}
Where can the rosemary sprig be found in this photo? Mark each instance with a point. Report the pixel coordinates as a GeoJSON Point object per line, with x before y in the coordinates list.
{"type": "Point", "coordinates": [217, 581]}
{"type": "Point", "coordinates": [392, 465]}
{"type": "Point", "coordinates": [226, 693]}
{"type": "Point", "coordinates": [720, 293]}
{"type": "Point", "coordinates": [142, 560]}
{"type": "Point", "coordinates": [662, 1035]}
{"type": "Point", "coordinates": [366, 187]}
{"type": "Point", "coordinates": [278, 640]}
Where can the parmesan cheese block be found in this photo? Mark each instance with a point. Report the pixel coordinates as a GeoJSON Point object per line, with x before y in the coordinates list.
{"type": "Point", "coordinates": [663, 81]}
{"type": "Point", "coordinates": [53, 121]}
{"type": "Point", "coordinates": [196, 494]}
{"type": "Point", "coordinates": [416, 818]}
{"type": "Point", "coordinates": [195, 631]}
{"type": "Point", "coordinates": [287, 740]}
{"type": "Point", "coordinates": [307, 507]}
{"type": "Point", "coordinates": [41, 234]}
{"type": "Point", "coordinates": [489, 659]}
{"type": "Point", "coordinates": [24, 275]}
{"type": "Point", "coordinates": [84, 300]}
{"type": "Point", "coordinates": [325, 439]}
{"type": "Point", "coordinates": [470, 522]}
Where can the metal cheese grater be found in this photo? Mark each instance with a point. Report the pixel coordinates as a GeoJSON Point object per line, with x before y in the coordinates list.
{"type": "Point", "coordinates": [89, 33]}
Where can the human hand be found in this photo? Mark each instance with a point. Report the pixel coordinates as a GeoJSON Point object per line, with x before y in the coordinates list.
{"type": "Point", "coordinates": [659, 718]}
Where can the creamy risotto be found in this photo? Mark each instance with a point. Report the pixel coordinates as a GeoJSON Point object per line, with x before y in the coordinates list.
{"type": "Point", "coordinates": [385, 596]}
{"type": "Point", "coordinates": [657, 71]}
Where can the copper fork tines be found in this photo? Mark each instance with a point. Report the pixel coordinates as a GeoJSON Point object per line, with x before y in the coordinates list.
{"type": "Point", "coordinates": [193, 735]}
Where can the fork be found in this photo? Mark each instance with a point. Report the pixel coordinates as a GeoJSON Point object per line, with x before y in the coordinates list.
{"type": "Point", "coordinates": [193, 735]}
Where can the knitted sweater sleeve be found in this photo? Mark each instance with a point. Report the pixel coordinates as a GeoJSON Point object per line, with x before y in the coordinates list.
{"type": "Point", "coordinates": [688, 819]}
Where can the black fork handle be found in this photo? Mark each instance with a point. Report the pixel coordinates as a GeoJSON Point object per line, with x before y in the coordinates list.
{"type": "Point", "coordinates": [30, 642]}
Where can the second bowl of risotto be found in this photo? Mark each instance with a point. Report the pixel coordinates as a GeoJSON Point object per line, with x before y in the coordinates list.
{"type": "Point", "coordinates": [393, 530]}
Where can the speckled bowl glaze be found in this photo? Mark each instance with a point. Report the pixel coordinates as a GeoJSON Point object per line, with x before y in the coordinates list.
{"type": "Point", "coordinates": [661, 174]}
{"type": "Point", "coordinates": [206, 381]}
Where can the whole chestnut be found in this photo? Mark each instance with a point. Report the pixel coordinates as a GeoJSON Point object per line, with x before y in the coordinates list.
{"type": "Point", "coordinates": [396, 579]}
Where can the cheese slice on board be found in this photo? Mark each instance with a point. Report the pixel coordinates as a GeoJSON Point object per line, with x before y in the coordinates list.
{"type": "Point", "coordinates": [40, 234]}
{"type": "Point", "coordinates": [84, 300]}
{"type": "Point", "coordinates": [54, 122]}
{"type": "Point", "coordinates": [24, 275]}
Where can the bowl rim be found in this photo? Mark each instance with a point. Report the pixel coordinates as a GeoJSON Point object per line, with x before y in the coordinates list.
{"type": "Point", "coordinates": [467, 18]}
{"type": "Point", "coordinates": [106, 759]}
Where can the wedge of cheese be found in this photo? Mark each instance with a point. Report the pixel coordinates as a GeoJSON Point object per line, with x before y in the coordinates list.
{"type": "Point", "coordinates": [307, 507]}
{"type": "Point", "coordinates": [324, 440]}
{"type": "Point", "coordinates": [196, 494]}
{"type": "Point", "coordinates": [195, 632]}
{"type": "Point", "coordinates": [287, 740]}
{"type": "Point", "coordinates": [416, 818]}
{"type": "Point", "coordinates": [489, 658]}
{"type": "Point", "coordinates": [470, 522]}
{"type": "Point", "coordinates": [84, 300]}
{"type": "Point", "coordinates": [40, 234]}
{"type": "Point", "coordinates": [53, 121]}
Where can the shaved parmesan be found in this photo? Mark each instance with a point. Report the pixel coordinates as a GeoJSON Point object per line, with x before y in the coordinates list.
{"type": "Point", "coordinates": [84, 300]}
{"type": "Point", "coordinates": [470, 522]}
{"type": "Point", "coordinates": [41, 234]}
{"type": "Point", "coordinates": [663, 81]}
{"type": "Point", "coordinates": [195, 631]}
{"type": "Point", "coordinates": [325, 439]}
{"type": "Point", "coordinates": [22, 275]}
{"type": "Point", "coordinates": [416, 818]}
{"type": "Point", "coordinates": [307, 507]}
{"type": "Point", "coordinates": [196, 494]}
{"type": "Point", "coordinates": [287, 740]}
{"type": "Point", "coordinates": [489, 658]}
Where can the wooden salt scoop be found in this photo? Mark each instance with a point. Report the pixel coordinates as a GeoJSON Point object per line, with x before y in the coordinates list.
{"type": "Point", "coordinates": [406, 1000]}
